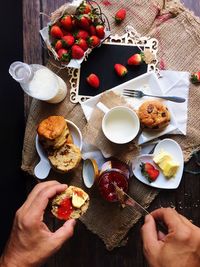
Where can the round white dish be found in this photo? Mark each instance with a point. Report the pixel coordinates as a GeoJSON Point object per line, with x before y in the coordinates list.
{"type": "Point", "coordinates": [175, 150]}
{"type": "Point", "coordinates": [42, 169]}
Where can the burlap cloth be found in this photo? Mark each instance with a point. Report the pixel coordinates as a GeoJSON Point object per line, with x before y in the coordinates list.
{"type": "Point", "coordinates": [178, 33]}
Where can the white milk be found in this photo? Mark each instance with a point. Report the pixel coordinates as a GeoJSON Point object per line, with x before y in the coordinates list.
{"type": "Point", "coordinates": [39, 82]}
{"type": "Point", "coordinates": [120, 126]}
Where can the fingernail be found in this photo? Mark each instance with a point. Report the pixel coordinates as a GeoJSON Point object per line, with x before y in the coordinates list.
{"type": "Point", "coordinates": [147, 218]}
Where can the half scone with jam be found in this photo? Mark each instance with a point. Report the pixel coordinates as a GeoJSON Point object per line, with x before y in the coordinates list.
{"type": "Point", "coordinates": [70, 204]}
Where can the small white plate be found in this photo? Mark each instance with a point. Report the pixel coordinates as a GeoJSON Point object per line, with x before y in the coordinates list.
{"type": "Point", "coordinates": [42, 169]}
{"type": "Point", "coordinates": [148, 83]}
{"type": "Point", "coordinates": [175, 150]}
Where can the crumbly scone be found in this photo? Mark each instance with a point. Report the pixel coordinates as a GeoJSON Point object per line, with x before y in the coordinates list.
{"type": "Point", "coordinates": [154, 115]}
{"type": "Point", "coordinates": [53, 132]}
{"type": "Point", "coordinates": [65, 158]}
{"type": "Point", "coordinates": [70, 204]}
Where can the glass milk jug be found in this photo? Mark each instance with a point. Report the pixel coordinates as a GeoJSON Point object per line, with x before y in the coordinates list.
{"type": "Point", "coordinates": [39, 82]}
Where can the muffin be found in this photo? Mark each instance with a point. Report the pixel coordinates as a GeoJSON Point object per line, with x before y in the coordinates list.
{"type": "Point", "coordinates": [53, 132]}
{"type": "Point", "coordinates": [70, 204]}
{"type": "Point", "coordinates": [154, 115]}
{"type": "Point", "coordinates": [65, 158]}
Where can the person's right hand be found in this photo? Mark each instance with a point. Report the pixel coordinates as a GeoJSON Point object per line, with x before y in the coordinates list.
{"type": "Point", "coordinates": [179, 248]}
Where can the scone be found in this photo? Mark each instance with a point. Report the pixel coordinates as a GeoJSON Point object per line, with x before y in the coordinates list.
{"type": "Point", "coordinates": [65, 158]}
{"type": "Point", "coordinates": [70, 204]}
{"type": "Point", "coordinates": [53, 132]}
{"type": "Point", "coordinates": [154, 115]}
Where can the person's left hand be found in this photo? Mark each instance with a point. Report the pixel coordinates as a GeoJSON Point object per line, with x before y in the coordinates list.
{"type": "Point", "coordinates": [31, 242]}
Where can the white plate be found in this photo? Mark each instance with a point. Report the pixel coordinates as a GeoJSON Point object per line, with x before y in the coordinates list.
{"type": "Point", "coordinates": [174, 149]}
{"type": "Point", "coordinates": [148, 83]}
{"type": "Point", "coordinates": [42, 169]}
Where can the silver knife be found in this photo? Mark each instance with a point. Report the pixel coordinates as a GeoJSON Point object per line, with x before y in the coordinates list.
{"type": "Point", "coordinates": [127, 200]}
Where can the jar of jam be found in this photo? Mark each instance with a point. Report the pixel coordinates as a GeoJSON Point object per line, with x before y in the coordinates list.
{"type": "Point", "coordinates": [113, 172]}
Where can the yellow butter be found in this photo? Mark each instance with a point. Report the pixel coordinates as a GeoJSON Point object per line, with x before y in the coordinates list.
{"type": "Point", "coordinates": [78, 201]}
{"type": "Point", "coordinates": [166, 163]}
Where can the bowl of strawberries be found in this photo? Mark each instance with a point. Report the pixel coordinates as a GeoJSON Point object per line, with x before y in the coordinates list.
{"type": "Point", "coordinates": [74, 30]}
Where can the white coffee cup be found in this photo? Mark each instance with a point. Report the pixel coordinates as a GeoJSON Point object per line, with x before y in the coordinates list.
{"type": "Point", "coordinates": [120, 124]}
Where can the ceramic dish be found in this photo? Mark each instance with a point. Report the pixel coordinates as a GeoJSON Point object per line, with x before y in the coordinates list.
{"type": "Point", "coordinates": [42, 169]}
{"type": "Point", "coordinates": [148, 83]}
{"type": "Point", "coordinates": [174, 149]}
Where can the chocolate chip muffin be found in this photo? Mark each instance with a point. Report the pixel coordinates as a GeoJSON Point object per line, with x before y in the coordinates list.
{"type": "Point", "coordinates": [154, 115]}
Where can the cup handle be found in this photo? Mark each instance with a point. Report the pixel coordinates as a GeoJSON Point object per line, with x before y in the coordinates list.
{"type": "Point", "coordinates": [102, 107]}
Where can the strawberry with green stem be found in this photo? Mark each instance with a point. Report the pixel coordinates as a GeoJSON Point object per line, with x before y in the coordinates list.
{"type": "Point", "coordinates": [63, 55]}
{"type": "Point", "coordinates": [120, 69]}
{"type": "Point", "coordinates": [135, 60]}
{"type": "Point", "coordinates": [56, 32]}
{"type": "Point", "coordinates": [149, 171]}
{"type": "Point", "coordinates": [66, 22]}
{"type": "Point", "coordinates": [77, 52]}
{"type": "Point", "coordinates": [195, 77]}
{"type": "Point", "coordinates": [120, 15]}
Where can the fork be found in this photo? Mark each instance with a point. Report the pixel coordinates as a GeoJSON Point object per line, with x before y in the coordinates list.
{"type": "Point", "coordinates": [139, 94]}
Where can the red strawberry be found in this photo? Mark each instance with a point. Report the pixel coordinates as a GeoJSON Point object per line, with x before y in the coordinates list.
{"type": "Point", "coordinates": [100, 30]}
{"type": "Point", "coordinates": [82, 43]}
{"type": "Point", "coordinates": [153, 174]}
{"type": "Point", "coordinates": [66, 22]}
{"type": "Point", "coordinates": [63, 54]}
{"type": "Point", "coordinates": [120, 15]}
{"type": "Point", "coordinates": [67, 41]}
{"type": "Point", "coordinates": [84, 8]}
{"type": "Point", "coordinates": [149, 171]}
{"type": "Point", "coordinates": [56, 32]}
{"type": "Point", "coordinates": [93, 80]}
{"type": "Point", "coordinates": [120, 69]}
{"type": "Point", "coordinates": [84, 22]}
{"type": "Point", "coordinates": [77, 52]}
{"type": "Point", "coordinates": [82, 34]}
{"type": "Point", "coordinates": [135, 59]}
{"type": "Point", "coordinates": [92, 30]}
{"type": "Point", "coordinates": [93, 41]}
{"type": "Point", "coordinates": [195, 77]}
{"type": "Point", "coordinates": [58, 45]}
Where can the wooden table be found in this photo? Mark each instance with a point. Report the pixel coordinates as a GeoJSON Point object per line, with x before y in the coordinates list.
{"type": "Point", "coordinates": [86, 249]}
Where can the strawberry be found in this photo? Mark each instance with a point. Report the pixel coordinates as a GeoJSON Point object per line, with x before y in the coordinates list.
{"type": "Point", "coordinates": [195, 77]}
{"type": "Point", "coordinates": [66, 22]}
{"type": "Point", "coordinates": [67, 41]}
{"type": "Point", "coordinates": [149, 171]}
{"type": "Point", "coordinates": [82, 43]}
{"type": "Point", "coordinates": [55, 32]}
{"type": "Point", "coordinates": [120, 69]}
{"type": "Point", "coordinates": [120, 15]}
{"type": "Point", "coordinates": [93, 80]}
{"type": "Point", "coordinates": [84, 22]}
{"type": "Point", "coordinates": [66, 33]}
{"type": "Point", "coordinates": [58, 45]}
{"type": "Point", "coordinates": [84, 8]}
{"type": "Point", "coordinates": [100, 30]}
{"type": "Point", "coordinates": [93, 41]}
{"type": "Point", "coordinates": [82, 34]}
{"type": "Point", "coordinates": [92, 30]}
{"type": "Point", "coordinates": [77, 52]}
{"type": "Point", "coordinates": [63, 54]}
{"type": "Point", "coordinates": [135, 59]}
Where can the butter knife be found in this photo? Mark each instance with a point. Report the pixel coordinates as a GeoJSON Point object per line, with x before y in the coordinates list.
{"type": "Point", "coordinates": [128, 201]}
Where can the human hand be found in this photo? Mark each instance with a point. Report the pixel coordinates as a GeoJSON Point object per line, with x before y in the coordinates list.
{"type": "Point", "coordinates": [180, 247]}
{"type": "Point", "coordinates": [31, 242]}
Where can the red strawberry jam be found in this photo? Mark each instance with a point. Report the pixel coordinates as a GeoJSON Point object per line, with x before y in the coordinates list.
{"type": "Point", "coordinates": [65, 209]}
{"type": "Point", "coordinates": [113, 172]}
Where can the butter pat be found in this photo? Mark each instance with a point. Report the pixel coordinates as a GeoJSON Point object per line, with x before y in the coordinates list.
{"type": "Point", "coordinates": [166, 163]}
{"type": "Point", "coordinates": [79, 198]}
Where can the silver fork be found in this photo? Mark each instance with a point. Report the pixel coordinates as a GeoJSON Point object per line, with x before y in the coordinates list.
{"type": "Point", "coordinates": [139, 94]}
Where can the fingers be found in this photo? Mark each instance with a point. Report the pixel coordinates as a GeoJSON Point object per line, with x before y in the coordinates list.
{"type": "Point", "coordinates": [64, 232]}
{"type": "Point", "coordinates": [41, 199]}
{"type": "Point", "coordinates": [167, 215]}
{"type": "Point", "coordinates": [39, 187]}
{"type": "Point", "coordinates": [148, 230]}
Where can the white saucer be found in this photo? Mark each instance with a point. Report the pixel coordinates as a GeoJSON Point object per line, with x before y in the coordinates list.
{"type": "Point", "coordinates": [175, 150]}
{"type": "Point", "coordinates": [42, 169]}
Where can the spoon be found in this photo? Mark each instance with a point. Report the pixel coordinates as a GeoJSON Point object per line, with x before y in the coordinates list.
{"type": "Point", "coordinates": [42, 169]}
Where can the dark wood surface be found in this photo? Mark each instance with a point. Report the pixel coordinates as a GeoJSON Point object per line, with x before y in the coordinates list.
{"type": "Point", "coordinates": [86, 249]}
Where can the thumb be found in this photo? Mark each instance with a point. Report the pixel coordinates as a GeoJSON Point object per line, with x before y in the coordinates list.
{"type": "Point", "coordinates": [149, 235]}
{"type": "Point", "coordinates": [64, 232]}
